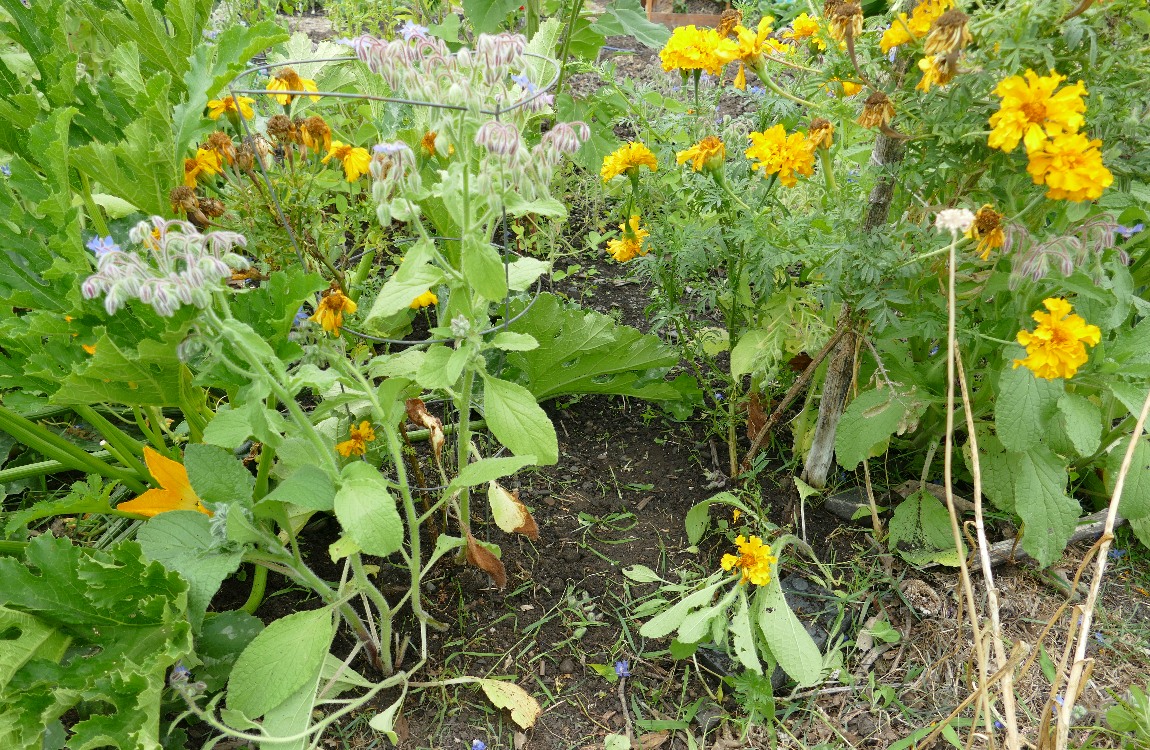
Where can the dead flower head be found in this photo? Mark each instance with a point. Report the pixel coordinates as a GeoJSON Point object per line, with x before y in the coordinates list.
{"type": "Point", "coordinates": [877, 111]}
{"type": "Point", "coordinates": [822, 133]}
{"type": "Point", "coordinates": [846, 18]}
{"type": "Point", "coordinates": [731, 18]}
{"type": "Point", "coordinates": [949, 33]}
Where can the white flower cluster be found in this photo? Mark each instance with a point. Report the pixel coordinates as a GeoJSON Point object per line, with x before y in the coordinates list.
{"type": "Point", "coordinates": [183, 267]}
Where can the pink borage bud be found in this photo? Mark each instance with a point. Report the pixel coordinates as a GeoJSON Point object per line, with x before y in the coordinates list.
{"type": "Point", "coordinates": [567, 137]}
{"type": "Point", "coordinates": [499, 138]}
{"type": "Point", "coordinates": [500, 50]}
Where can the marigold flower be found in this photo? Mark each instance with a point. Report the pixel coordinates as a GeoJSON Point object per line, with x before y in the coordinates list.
{"type": "Point", "coordinates": [906, 29]}
{"type": "Point", "coordinates": [937, 70]}
{"type": "Point", "coordinates": [1056, 348]}
{"type": "Point", "coordinates": [426, 299]}
{"type": "Point", "coordinates": [949, 34]}
{"type": "Point", "coordinates": [822, 133]}
{"type": "Point", "coordinates": [786, 155]}
{"type": "Point", "coordinates": [222, 144]}
{"type": "Point", "coordinates": [357, 444]}
{"type": "Point", "coordinates": [627, 159]}
{"type": "Point", "coordinates": [315, 134]}
{"type": "Point", "coordinates": [175, 491]}
{"type": "Point", "coordinates": [751, 44]}
{"type": "Point", "coordinates": [877, 111]}
{"type": "Point", "coordinates": [231, 104]}
{"type": "Point", "coordinates": [987, 229]}
{"type": "Point", "coordinates": [805, 27]}
{"type": "Point", "coordinates": [1031, 110]}
{"type": "Point", "coordinates": [204, 162]}
{"type": "Point", "coordinates": [754, 560]}
{"type": "Point", "coordinates": [841, 88]}
{"type": "Point", "coordinates": [1071, 167]}
{"type": "Point", "coordinates": [286, 79]}
{"type": "Point", "coordinates": [631, 244]}
{"type": "Point", "coordinates": [690, 48]}
{"type": "Point", "coordinates": [282, 129]}
{"type": "Point", "coordinates": [708, 154]}
{"type": "Point", "coordinates": [356, 161]}
{"type": "Point", "coordinates": [331, 309]}
{"type": "Point", "coordinates": [845, 18]}
{"type": "Point", "coordinates": [427, 144]}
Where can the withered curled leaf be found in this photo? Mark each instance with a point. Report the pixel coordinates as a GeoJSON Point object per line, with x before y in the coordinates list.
{"type": "Point", "coordinates": [481, 557]}
{"type": "Point", "coordinates": [510, 515]}
{"type": "Point", "coordinates": [417, 412]}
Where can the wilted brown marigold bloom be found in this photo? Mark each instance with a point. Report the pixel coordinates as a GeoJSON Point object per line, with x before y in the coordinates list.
{"type": "Point", "coordinates": [183, 199]}
{"type": "Point", "coordinates": [846, 18]}
{"type": "Point", "coordinates": [728, 21]}
{"type": "Point", "coordinates": [427, 144]}
{"type": "Point", "coordinates": [221, 143]}
{"type": "Point", "coordinates": [949, 33]}
{"type": "Point", "coordinates": [282, 129]}
{"type": "Point", "coordinates": [315, 133]}
{"type": "Point", "coordinates": [937, 70]}
{"type": "Point", "coordinates": [822, 133]}
{"type": "Point", "coordinates": [987, 229]}
{"type": "Point", "coordinates": [212, 207]}
{"type": "Point", "coordinates": [245, 157]}
{"type": "Point", "coordinates": [877, 111]}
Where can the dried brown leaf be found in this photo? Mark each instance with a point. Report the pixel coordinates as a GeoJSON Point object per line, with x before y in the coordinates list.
{"type": "Point", "coordinates": [510, 514]}
{"type": "Point", "coordinates": [481, 557]}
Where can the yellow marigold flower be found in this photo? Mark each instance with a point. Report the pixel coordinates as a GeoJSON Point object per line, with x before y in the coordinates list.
{"type": "Point", "coordinates": [206, 161]}
{"type": "Point", "coordinates": [427, 144]}
{"type": "Point", "coordinates": [750, 47]}
{"type": "Point", "coordinates": [286, 79]}
{"type": "Point", "coordinates": [754, 560]}
{"type": "Point", "coordinates": [1071, 168]}
{"type": "Point", "coordinates": [357, 444]}
{"type": "Point", "coordinates": [877, 111]}
{"type": "Point", "coordinates": [1056, 348]}
{"type": "Point", "coordinates": [949, 34]}
{"type": "Point", "coordinates": [174, 493]}
{"type": "Point", "coordinates": [1031, 110]}
{"type": "Point", "coordinates": [627, 159]}
{"type": "Point", "coordinates": [707, 154]}
{"type": "Point", "coordinates": [906, 29]}
{"type": "Point", "coordinates": [822, 133]}
{"type": "Point", "coordinates": [331, 309]}
{"type": "Point", "coordinates": [426, 299]}
{"type": "Point", "coordinates": [782, 154]}
{"type": "Point", "coordinates": [230, 104]}
{"type": "Point", "coordinates": [937, 70]}
{"type": "Point", "coordinates": [315, 134]}
{"type": "Point", "coordinates": [805, 27]}
{"type": "Point", "coordinates": [841, 88]}
{"type": "Point", "coordinates": [690, 48]}
{"type": "Point", "coordinates": [631, 244]}
{"type": "Point", "coordinates": [987, 229]}
{"type": "Point", "coordinates": [356, 161]}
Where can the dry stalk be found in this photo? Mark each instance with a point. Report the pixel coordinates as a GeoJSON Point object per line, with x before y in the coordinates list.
{"type": "Point", "coordinates": [1076, 679]}
{"type": "Point", "coordinates": [1013, 742]}
{"type": "Point", "coordinates": [979, 693]}
{"type": "Point", "coordinates": [948, 481]}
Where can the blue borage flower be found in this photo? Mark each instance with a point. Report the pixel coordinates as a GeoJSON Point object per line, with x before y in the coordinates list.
{"type": "Point", "coordinates": [623, 668]}
{"type": "Point", "coordinates": [101, 246]}
{"type": "Point", "coordinates": [478, 745]}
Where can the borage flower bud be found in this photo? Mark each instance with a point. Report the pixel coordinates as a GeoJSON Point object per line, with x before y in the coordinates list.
{"type": "Point", "coordinates": [500, 50]}
{"type": "Point", "coordinates": [499, 138]}
{"type": "Point", "coordinates": [567, 137]}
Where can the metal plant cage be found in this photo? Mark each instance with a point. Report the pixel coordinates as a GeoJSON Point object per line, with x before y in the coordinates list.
{"type": "Point", "coordinates": [497, 113]}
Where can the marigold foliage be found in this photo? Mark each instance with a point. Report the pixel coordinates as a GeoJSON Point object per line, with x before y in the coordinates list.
{"type": "Point", "coordinates": [1057, 347]}
{"type": "Point", "coordinates": [754, 560]}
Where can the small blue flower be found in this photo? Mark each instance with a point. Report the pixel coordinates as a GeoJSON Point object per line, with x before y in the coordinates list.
{"type": "Point", "coordinates": [1128, 232]}
{"type": "Point", "coordinates": [525, 83]}
{"type": "Point", "coordinates": [893, 54]}
{"type": "Point", "coordinates": [101, 246]}
{"type": "Point", "coordinates": [999, 725]}
{"type": "Point", "coordinates": [719, 396]}
{"type": "Point", "coordinates": [478, 745]}
{"type": "Point", "coordinates": [934, 350]}
{"type": "Point", "coordinates": [413, 30]}
{"type": "Point", "coordinates": [301, 317]}
{"type": "Point", "coordinates": [756, 90]}
{"type": "Point", "coordinates": [1116, 554]}
{"type": "Point", "coordinates": [6, 170]}
{"type": "Point", "coordinates": [623, 668]}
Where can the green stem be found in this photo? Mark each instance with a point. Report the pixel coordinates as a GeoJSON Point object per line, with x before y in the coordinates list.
{"type": "Point", "coordinates": [41, 468]}
{"type": "Point", "coordinates": [532, 18]}
{"type": "Point", "coordinates": [129, 449]}
{"type": "Point", "coordinates": [463, 441]}
{"type": "Point", "coordinates": [55, 447]}
{"type": "Point", "coordinates": [152, 433]}
{"type": "Point", "coordinates": [770, 83]}
{"type": "Point", "coordinates": [259, 586]}
{"type": "Point", "coordinates": [94, 211]}
{"type": "Point", "coordinates": [828, 171]}
{"type": "Point", "coordinates": [576, 9]}
{"type": "Point", "coordinates": [385, 612]}
{"type": "Point", "coordinates": [355, 284]}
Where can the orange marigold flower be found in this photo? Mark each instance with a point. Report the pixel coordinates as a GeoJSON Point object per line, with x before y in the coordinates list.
{"type": "Point", "coordinates": [286, 79]}
{"type": "Point", "coordinates": [1056, 348]}
{"type": "Point", "coordinates": [331, 310]}
{"type": "Point", "coordinates": [356, 161]}
{"type": "Point", "coordinates": [631, 244]}
{"type": "Point", "coordinates": [357, 444]}
{"type": "Point", "coordinates": [708, 154]}
{"type": "Point", "coordinates": [782, 154]}
{"type": "Point", "coordinates": [754, 560]}
{"type": "Point", "coordinates": [1032, 111]}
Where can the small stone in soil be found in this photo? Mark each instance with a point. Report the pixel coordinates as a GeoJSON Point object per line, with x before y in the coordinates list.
{"type": "Point", "coordinates": [567, 666]}
{"type": "Point", "coordinates": [571, 554]}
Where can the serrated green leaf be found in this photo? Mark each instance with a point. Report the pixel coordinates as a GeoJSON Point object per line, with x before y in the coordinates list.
{"type": "Point", "coordinates": [1082, 420]}
{"type": "Point", "coordinates": [513, 342]}
{"type": "Point", "coordinates": [217, 475]}
{"type": "Point", "coordinates": [585, 352]}
{"type": "Point", "coordinates": [994, 463]}
{"type": "Point", "coordinates": [1023, 407]}
{"type": "Point", "coordinates": [148, 374]}
{"type": "Point", "coordinates": [488, 469]}
{"type": "Point", "coordinates": [1135, 501]}
{"type": "Point", "coordinates": [517, 421]}
{"type": "Point", "coordinates": [486, 16]}
{"type": "Point", "coordinates": [182, 541]}
{"type": "Point", "coordinates": [627, 17]}
{"type": "Point", "coordinates": [1040, 500]}
{"type": "Point", "coordinates": [366, 510]}
{"type": "Point", "coordinates": [484, 270]}
{"type": "Point", "coordinates": [221, 640]}
{"type": "Point", "coordinates": [868, 421]}
{"type": "Point", "coordinates": [790, 643]}
{"type": "Point", "coordinates": [920, 530]}
{"type": "Point", "coordinates": [696, 624]}
{"type": "Point", "coordinates": [279, 661]}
